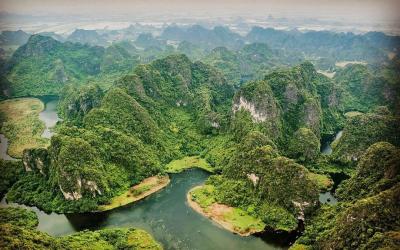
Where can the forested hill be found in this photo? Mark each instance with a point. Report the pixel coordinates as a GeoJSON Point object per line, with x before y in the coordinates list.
{"type": "Point", "coordinates": [46, 61]}
{"type": "Point", "coordinates": [121, 136]}
{"type": "Point", "coordinates": [44, 65]}
{"type": "Point", "coordinates": [254, 113]}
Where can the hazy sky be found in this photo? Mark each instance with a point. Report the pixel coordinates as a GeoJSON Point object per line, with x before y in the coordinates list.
{"type": "Point", "coordinates": [341, 9]}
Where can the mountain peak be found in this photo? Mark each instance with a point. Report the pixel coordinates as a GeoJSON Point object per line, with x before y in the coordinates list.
{"type": "Point", "coordinates": [37, 45]}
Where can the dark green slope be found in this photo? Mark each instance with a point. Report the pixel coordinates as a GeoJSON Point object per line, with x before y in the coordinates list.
{"type": "Point", "coordinates": [109, 141]}
{"type": "Point", "coordinates": [18, 231]}
{"type": "Point", "coordinates": [43, 66]}
{"type": "Point", "coordinates": [286, 101]}
{"type": "Point", "coordinates": [367, 216]}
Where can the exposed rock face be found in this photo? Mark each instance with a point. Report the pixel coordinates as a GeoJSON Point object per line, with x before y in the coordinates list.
{"type": "Point", "coordinates": [257, 115]}
{"type": "Point", "coordinates": [59, 72]}
{"type": "Point", "coordinates": [70, 195]}
{"type": "Point", "coordinates": [36, 160]}
{"type": "Point", "coordinates": [312, 116]}
{"type": "Point", "coordinates": [254, 178]}
{"type": "Point", "coordinates": [301, 206]}
{"type": "Point", "coordinates": [291, 94]}
{"type": "Point", "coordinates": [81, 185]}
{"type": "Point", "coordinates": [333, 99]}
{"type": "Point", "coordinates": [75, 168]}
{"type": "Point", "coordinates": [258, 100]}
{"type": "Point", "coordinates": [92, 187]}
{"type": "Point", "coordinates": [287, 100]}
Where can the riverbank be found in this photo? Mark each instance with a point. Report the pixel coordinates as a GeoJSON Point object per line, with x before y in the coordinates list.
{"type": "Point", "coordinates": [232, 219]}
{"type": "Point", "coordinates": [21, 124]}
{"type": "Point", "coordinates": [177, 166]}
{"type": "Point", "coordinates": [138, 192]}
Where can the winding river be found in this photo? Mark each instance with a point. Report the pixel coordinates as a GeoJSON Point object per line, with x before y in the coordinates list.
{"type": "Point", "coordinates": [165, 214]}
{"type": "Point", "coordinates": [3, 149]}
{"type": "Point", "coordinates": [49, 114]}
{"type": "Point", "coordinates": [326, 149]}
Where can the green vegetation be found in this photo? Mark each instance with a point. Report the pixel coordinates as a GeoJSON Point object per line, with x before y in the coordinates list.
{"type": "Point", "coordinates": [378, 170]}
{"type": "Point", "coordinates": [234, 219]}
{"type": "Point", "coordinates": [112, 140]}
{"type": "Point", "coordinates": [304, 145]}
{"type": "Point", "coordinates": [255, 178]}
{"type": "Point", "coordinates": [286, 102]}
{"type": "Point", "coordinates": [11, 171]}
{"type": "Point", "coordinates": [372, 221]}
{"type": "Point", "coordinates": [19, 217]}
{"type": "Point", "coordinates": [178, 166]}
{"type": "Point", "coordinates": [363, 130]}
{"type": "Point", "coordinates": [137, 192]}
{"type": "Point", "coordinates": [368, 214]}
{"type": "Point", "coordinates": [18, 230]}
{"type": "Point", "coordinates": [20, 123]}
{"type": "Point", "coordinates": [323, 182]}
{"type": "Point", "coordinates": [125, 123]}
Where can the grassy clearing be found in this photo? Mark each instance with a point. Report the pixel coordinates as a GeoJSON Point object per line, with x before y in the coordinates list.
{"type": "Point", "coordinates": [21, 124]}
{"type": "Point", "coordinates": [140, 239]}
{"type": "Point", "coordinates": [324, 183]}
{"type": "Point", "coordinates": [233, 219]}
{"type": "Point", "coordinates": [242, 221]}
{"type": "Point", "coordinates": [177, 166]}
{"type": "Point", "coordinates": [143, 189]}
{"type": "Point", "coordinates": [351, 114]}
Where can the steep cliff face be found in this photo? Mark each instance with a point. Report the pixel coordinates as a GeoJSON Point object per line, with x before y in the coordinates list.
{"type": "Point", "coordinates": [255, 179]}
{"type": "Point", "coordinates": [69, 165]}
{"type": "Point", "coordinates": [257, 99]}
{"type": "Point", "coordinates": [75, 103]}
{"type": "Point", "coordinates": [312, 115]}
{"type": "Point", "coordinates": [363, 224]}
{"type": "Point", "coordinates": [76, 168]}
{"type": "Point", "coordinates": [176, 82]}
{"type": "Point", "coordinates": [43, 65]}
{"type": "Point", "coordinates": [363, 130]}
{"type": "Point", "coordinates": [288, 100]}
{"type": "Point", "coordinates": [377, 170]}
{"type": "Point", "coordinates": [36, 160]}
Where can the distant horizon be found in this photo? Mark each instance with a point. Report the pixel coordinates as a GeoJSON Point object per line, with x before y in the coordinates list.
{"type": "Point", "coordinates": [354, 15]}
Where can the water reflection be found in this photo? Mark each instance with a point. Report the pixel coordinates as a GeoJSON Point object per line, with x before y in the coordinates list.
{"type": "Point", "coordinates": [3, 149]}
{"type": "Point", "coordinates": [49, 114]}
{"type": "Point", "coordinates": [167, 216]}
{"type": "Point", "coordinates": [326, 148]}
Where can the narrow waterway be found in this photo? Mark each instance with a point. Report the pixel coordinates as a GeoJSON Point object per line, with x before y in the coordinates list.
{"type": "Point", "coordinates": [326, 149]}
{"type": "Point", "coordinates": [3, 149]}
{"type": "Point", "coordinates": [49, 114]}
{"type": "Point", "coordinates": [166, 215]}
{"type": "Point", "coordinates": [326, 145]}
